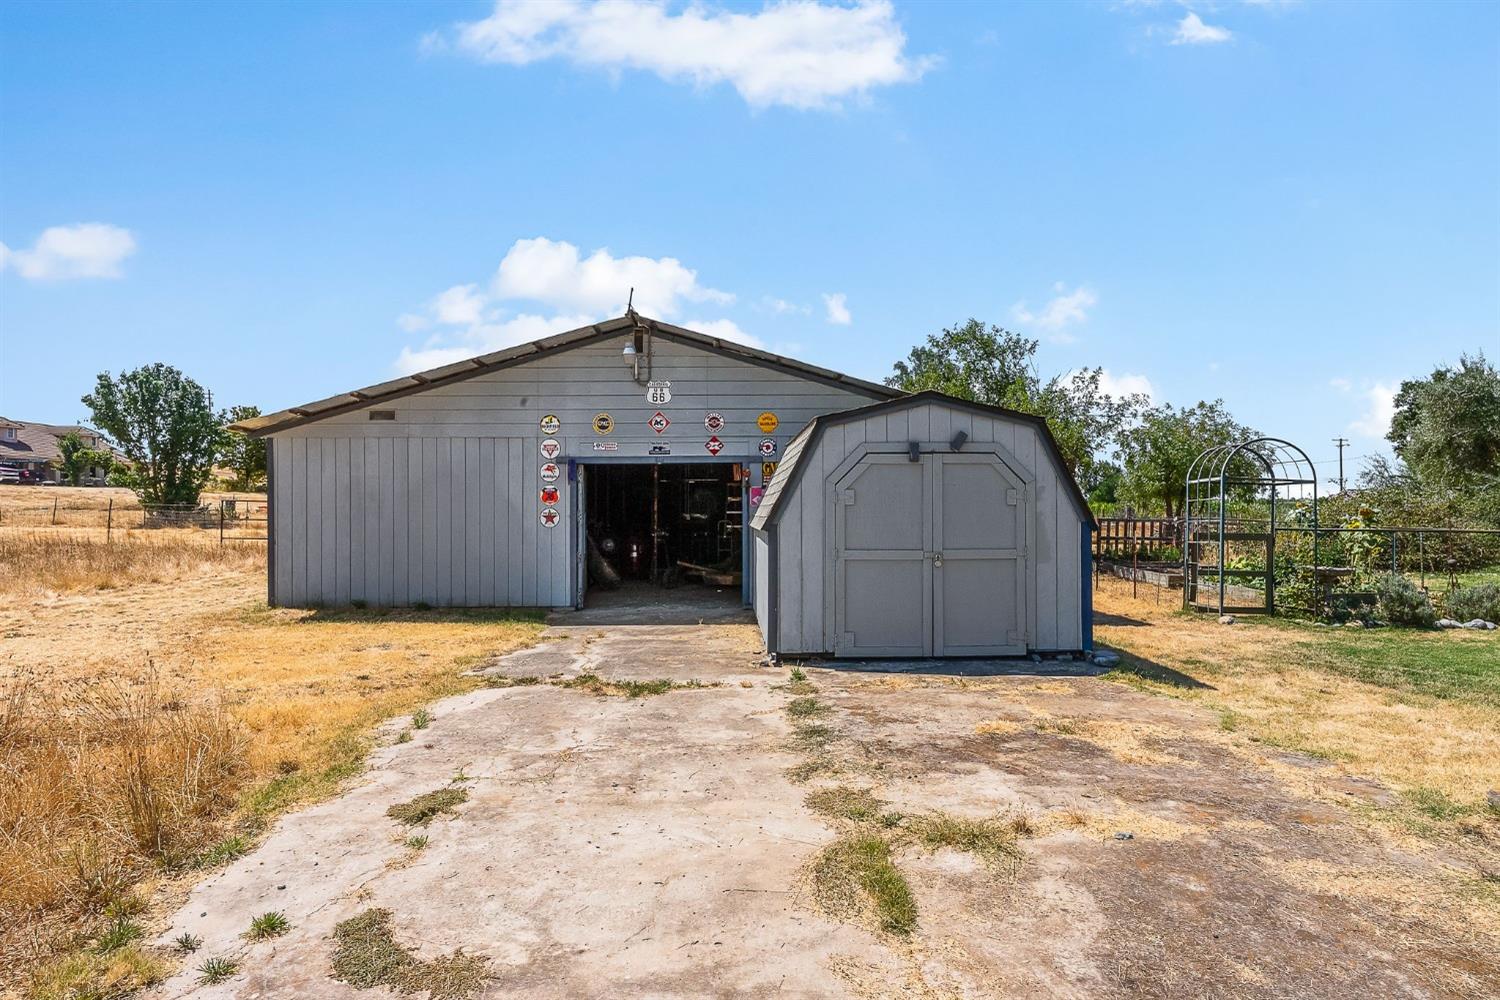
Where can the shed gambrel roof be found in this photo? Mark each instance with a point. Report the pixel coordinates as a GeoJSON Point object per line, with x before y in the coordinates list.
{"type": "Point", "coordinates": [407, 385]}
{"type": "Point", "coordinates": [789, 471]}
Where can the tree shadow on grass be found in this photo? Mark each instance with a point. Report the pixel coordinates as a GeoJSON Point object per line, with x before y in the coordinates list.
{"type": "Point", "coordinates": [1105, 618]}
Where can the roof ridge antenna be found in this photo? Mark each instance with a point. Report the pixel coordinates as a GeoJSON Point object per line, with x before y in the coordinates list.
{"type": "Point", "coordinates": [630, 304]}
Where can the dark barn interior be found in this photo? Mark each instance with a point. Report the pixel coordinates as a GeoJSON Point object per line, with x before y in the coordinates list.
{"type": "Point", "coordinates": [664, 524]}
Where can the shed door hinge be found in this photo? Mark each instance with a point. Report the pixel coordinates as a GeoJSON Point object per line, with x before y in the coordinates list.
{"type": "Point", "coordinates": [846, 497]}
{"type": "Point", "coordinates": [1012, 497]}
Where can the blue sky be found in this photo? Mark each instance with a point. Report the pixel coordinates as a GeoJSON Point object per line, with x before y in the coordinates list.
{"type": "Point", "coordinates": [1292, 206]}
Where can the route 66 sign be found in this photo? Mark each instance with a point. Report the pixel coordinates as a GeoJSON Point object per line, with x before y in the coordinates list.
{"type": "Point", "coordinates": [768, 447]}
{"type": "Point", "coordinates": [550, 472]}
{"type": "Point", "coordinates": [550, 424]}
{"type": "Point", "coordinates": [714, 422]}
{"type": "Point", "coordinates": [549, 495]}
{"type": "Point", "coordinates": [659, 393]}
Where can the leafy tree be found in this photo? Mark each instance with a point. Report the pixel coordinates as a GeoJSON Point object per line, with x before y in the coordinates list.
{"type": "Point", "coordinates": [1447, 426]}
{"type": "Point", "coordinates": [78, 458]}
{"type": "Point", "coordinates": [1104, 487]}
{"type": "Point", "coordinates": [244, 455]}
{"type": "Point", "coordinates": [164, 423]}
{"type": "Point", "coordinates": [1158, 450]}
{"type": "Point", "coordinates": [988, 364]}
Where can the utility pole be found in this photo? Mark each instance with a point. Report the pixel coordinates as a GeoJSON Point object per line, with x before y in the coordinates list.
{"type": "Point", "coordinates": [1342, 444]}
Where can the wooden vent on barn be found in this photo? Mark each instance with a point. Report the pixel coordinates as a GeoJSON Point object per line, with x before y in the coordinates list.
{"type": "Point", "coordinates": [382, 414]}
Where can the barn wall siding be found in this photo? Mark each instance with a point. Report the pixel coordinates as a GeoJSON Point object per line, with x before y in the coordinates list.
{"type": "Point", "coordinates": [805, 605]}
{"type": "Point", "coordinates": [442, 505]}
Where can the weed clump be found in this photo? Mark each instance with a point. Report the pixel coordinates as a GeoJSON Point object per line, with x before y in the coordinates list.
{"type": "Point", "coordinates": [217, 970]}
{"type": "Point", "coordinates": [1482, 600]}
{"type": "Point", "coordinates": [594, 684]}
{"type": "Point", "coordinates": [991, 839]}
{"type": "Point", "coordinates": [855, 874]}
{"type": "Point", "coordinates": [805, 708]}
{"type": "Point", "coordinates": [420, 810]}
{"type": "Point", "coordinates": [268, 925]}
{"type": "Point", "coordinates": [858, 805]}
{"type": "Point", "coordinates": [367, 956]}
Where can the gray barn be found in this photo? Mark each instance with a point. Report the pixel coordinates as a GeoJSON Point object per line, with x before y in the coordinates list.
{"type": "Point", "coordinates": [630, 454]}
{"type": "Point", "coordinates": [923, 526]}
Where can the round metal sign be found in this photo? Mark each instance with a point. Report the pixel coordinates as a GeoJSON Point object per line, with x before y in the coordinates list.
{"type": "Point", "coordinates": [549, 495]}
{"type": "Point", "coordinates": [767, 422]}
{"type": "Point", "coordinates": [603, 423]}
{"type": "Point", "coordinates": [768, 447]}
{"type": "Point", "coordinates": [550, 517]}
{"type": "Point", "coordinates": [550, 472]}
{"type": "Point", "coordinates": [550, 424]}
{"type": "Point", "coordinates": [550, 448]}
{"type": "Point", "coordinates": [714, 422]}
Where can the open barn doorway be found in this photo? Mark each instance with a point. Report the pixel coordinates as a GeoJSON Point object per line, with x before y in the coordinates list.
{"type": "Point", "coordinates": [664, 535]}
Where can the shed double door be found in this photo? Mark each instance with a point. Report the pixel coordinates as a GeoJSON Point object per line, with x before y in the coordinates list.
{"type": "Point", "coordinates": [930, 557]}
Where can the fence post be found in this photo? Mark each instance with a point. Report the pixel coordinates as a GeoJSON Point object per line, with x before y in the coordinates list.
{"type": "Point", "coordinates": [221, 523]}
{"type": "Point", "coordinates": [54, 511]}
{"type": "Point", "coordinates": [109, 520]}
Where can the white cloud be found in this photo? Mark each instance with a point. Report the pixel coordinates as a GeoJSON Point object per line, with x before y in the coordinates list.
{"type": "Point", "coordinates": [1064, 310]}
{"type": "Point", "coordinates": [1341, 384]}
{"type": "Point", "coordinates": [1125, 384]}
{"type": "Point", "coordinates": [782, 306]}
{"type": "Point", "coordinates": [1192, 31]}
{"type": "Point", "coordinates": [798, 53]}
{"type": "Point", "coordinates": [574, 291]}
{"type": "Point", "coordinates": [1380, 400]}
{"type": "Point", "coordinates": [724, 329]}
{"type": "Point", "coordinates": [837, 306]}
{"type": "Point", "coordinates": [554, 273]}
{"type": "Point", "coordinates": [86, 250]}
{"type": "Point", "coordinates": [482, 338]}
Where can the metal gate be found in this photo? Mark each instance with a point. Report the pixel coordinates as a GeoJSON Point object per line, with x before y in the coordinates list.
{"type": "Point", "coordinates": [930, 557]}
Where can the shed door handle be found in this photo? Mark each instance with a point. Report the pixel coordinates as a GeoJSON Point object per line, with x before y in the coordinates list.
{"type": "Point", "coordinates": [937, 561]}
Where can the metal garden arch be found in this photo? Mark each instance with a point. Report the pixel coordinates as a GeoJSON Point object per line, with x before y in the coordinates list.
{"type": "Point", "coordinates": [1234, 494]}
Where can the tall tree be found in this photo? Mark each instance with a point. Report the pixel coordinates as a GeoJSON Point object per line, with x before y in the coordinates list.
{"type": "Point", "coordinates": [164, 423]}
{"type": "Point", "coordinates": [1158, 450]}
{"type": "Point", "coordinates": [989, 364]}
{"type": "Point", "coordinates": [245, 456]}
{"type": "Point", "coordinates": [78, 458]}
{"type": "Point", "coordinates": [1446, 427]}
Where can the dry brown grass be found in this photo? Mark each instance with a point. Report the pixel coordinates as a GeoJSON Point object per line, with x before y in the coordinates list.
{"type": "Point", "coordinates": [46, 561]}
{"type": "Point", "coordinates": [217, 714]}
{"type": "Point", "coordinates": [1273, 693]}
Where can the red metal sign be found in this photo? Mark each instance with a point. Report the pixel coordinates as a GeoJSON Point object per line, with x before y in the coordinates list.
{"type": "Point", "coordinates": [714, 445]}
{"type": "Point", "coordinates": [549, 495]}
{"type": "Point", "coordinates": [658, 422]}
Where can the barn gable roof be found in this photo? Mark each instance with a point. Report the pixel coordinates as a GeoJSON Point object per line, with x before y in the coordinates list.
{"type": "Point", "coordinates": [296, 416]}
{"type": "Point", "coordinates": [789, 471]}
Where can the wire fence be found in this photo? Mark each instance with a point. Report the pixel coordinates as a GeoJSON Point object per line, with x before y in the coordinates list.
{"type": "Point", "coordinates": [230, 519]}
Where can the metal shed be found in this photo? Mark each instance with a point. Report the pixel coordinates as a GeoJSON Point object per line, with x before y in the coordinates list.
{"type": "Point", "coordinates": [923, 526]}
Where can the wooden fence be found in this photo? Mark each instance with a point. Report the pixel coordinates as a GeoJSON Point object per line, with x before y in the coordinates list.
{"type": "Point", "coordinates": [1148, 537]}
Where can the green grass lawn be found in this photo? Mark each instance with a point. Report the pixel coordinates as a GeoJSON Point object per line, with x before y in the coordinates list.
{"type": "Point", "coordinates": [1460, 667]}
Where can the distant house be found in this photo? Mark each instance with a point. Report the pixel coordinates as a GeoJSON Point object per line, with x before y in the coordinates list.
{"type": "Point", "coordinates": [30, 452]}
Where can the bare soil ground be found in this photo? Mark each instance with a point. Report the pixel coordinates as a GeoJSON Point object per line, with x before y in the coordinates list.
{"type": "Point", "coordinates": [662, 845]}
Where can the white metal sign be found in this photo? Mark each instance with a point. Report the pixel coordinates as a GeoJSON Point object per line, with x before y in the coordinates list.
{"type": "Point", "coordinates": [658, 422]}
{"type": "Point", "coordinates": [550, 448]}
{"type": "Point", "coordinates": [606, 446]}
{"type": "Point", "coordinates": [714, 422]}
{"type": "Point", "coordinates": [550, 517]}
{"type": "Point", "coordinates": [550, 424]}
{"type": "Point", "coordinates": [550, 472]}
{"type": "Point", "coordinates": [768, 447]}
{"type": "Point", "coordinates": [659, 393]}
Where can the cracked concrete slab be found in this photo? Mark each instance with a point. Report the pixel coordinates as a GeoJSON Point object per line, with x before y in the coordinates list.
{"type": "Point", "coordinates": [656, 847]}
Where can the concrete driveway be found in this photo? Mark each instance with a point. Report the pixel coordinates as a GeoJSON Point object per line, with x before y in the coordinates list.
{"type": "Point", "coordinates": [660, 846]}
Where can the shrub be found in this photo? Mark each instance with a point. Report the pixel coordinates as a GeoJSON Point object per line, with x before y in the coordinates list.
{"type": "Point", "coordinates": [1400, 602]}
{"type": "Point", "coordinates": [1479, 601]}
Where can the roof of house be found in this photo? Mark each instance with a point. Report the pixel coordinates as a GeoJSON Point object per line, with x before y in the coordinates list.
{"type": "Point", "coordinates": [295, 416]}
{"type": "Point", "coordinates": [789, 471]}
{"type": "Point", "coordinates": [37, 443]}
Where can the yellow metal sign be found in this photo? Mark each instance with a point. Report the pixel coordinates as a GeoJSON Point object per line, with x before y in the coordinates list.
{"type": "Point", "coordinates": [767, 470]}
{"type": "Point", "coordinates": [767, 422]}
{"type": "Point", "coordinates": [603, 423]}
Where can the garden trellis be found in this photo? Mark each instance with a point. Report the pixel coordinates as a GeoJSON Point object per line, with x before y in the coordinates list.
{"type": "Point", "coordinates": [1234, 496]}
